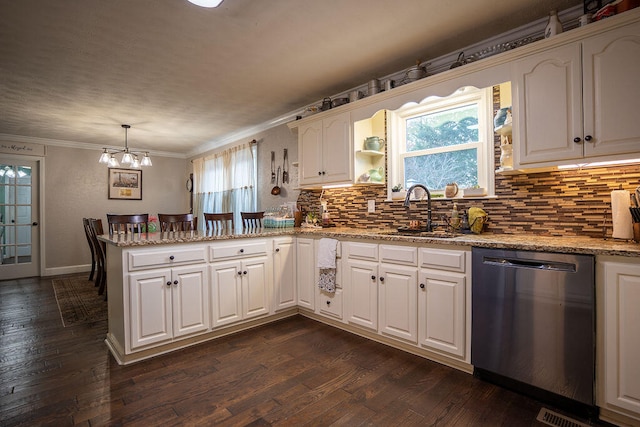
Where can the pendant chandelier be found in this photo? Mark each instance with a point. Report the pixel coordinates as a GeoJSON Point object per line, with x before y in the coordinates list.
{"type": "Point", "coordinates": [129, 158]}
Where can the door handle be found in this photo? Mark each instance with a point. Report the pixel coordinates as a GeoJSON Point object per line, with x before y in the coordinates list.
{"type": "Point", "coordinates": [34, 223]}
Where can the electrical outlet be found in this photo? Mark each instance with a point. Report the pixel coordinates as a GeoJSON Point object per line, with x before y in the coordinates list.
{"type": "Point", "coordinates": [372, 206]}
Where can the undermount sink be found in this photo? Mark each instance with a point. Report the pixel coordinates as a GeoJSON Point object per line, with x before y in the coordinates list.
{"type": "Point", "coordinates": [421, 232]}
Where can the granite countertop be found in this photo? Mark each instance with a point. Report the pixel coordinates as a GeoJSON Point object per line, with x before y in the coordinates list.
{"type": "Point", "coordinates": [568, 244]}
{"type": "Point", "coordinates": [172, 237]}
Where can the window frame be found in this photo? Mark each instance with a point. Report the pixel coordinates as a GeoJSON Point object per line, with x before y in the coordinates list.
{"type": "Point", "coordinates": [485, 146]}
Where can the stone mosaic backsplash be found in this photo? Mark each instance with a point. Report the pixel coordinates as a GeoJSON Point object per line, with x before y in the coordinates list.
{"type": "Point", "coordinates": [558, 203]}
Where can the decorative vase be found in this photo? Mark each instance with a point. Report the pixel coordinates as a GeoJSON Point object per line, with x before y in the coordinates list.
{"type": "Point", "coordinates": [376, 175]}
{"type": "Point", "coordinates": [506, 156]}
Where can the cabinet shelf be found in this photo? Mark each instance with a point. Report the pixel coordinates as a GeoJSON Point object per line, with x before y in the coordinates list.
{"type": "Point", "coordinates": [504, 130]}
{"type": "Point", "coordinates": [370, 153]}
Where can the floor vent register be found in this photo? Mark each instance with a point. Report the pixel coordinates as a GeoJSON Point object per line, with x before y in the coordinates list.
{"type": "Point", "coordinates": [557, 420]}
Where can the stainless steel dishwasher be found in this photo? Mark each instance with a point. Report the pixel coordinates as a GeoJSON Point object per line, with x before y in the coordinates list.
{"type": "Point", "coordinates": [534, 322]}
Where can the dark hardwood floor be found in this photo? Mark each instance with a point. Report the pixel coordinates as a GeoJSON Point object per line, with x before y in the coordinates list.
{"type": "Point", "coordinates": [293, 372]}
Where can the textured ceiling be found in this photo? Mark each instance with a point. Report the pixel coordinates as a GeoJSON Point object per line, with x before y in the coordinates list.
{"type": "Point", "coordinates": [186, 77]}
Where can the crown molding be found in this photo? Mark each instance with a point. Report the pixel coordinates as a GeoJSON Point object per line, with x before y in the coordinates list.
{"type": "Point", "coordinates": [82, 145]}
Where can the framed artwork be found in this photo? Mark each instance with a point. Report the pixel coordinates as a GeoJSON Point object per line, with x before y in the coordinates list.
{"type": "Point", "coordinates": [125, 184]}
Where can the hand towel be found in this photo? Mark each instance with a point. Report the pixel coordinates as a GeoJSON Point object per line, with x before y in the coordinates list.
{"type": "Point", "coordinates": [327, 264]}
{"type": "Point", "coordinates": [327, 280]}
{"type": "Point", "coordinates": [327, 253]}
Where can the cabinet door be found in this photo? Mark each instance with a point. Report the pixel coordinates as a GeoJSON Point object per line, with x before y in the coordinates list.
{"type": "Point", "coordinates": [330, 304]}
{"type": "Point", "coordinates": [256, 287]}
{"type": "Point", "coordinates": [310, 153]}
{"type": "Point", "coordinates": [284, 272]}
{"type": "Point", "coordinates": [226, 293]}
{"type": "Point", "coordinates": [150, 308]}
{"type": "Point", "coordinates": [361, 286]}
{"type": "Point", "coordinates": [190, 300]}
{"type": "Point", "coordinates": [549, 110]}
{"type": "Point", "coordinates": [611, 91]}
{"type": "Point", "coordinates": [305, 274]}
{"type": "Point", "coordinates": [398, 302]}
{"type": "Point", "coordinates": [337, 151]}
{"type": "Point", "coordinates": [621, 343]}
{"type": "Point", "coordinates": [441, 311]}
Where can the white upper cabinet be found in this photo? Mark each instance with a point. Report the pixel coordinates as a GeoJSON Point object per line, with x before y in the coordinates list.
{"type": "Point", "coordinates": [325, 151]}
{"type": "Point", "coordinates": [549, 111]}
{"type": "Point", "coordinates": [611, 91]}
{"type": "Point", "coordinates": [577, 102]}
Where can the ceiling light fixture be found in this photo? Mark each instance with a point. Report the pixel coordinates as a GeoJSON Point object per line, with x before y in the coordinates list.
{"type": "Point", "coordinates": [206, 3]}
{"type": "Point", "coordinates": [128, 157]}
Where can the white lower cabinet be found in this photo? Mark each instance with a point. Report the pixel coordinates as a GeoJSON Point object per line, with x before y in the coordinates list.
{"type": "Point", "coordinates": [442, 311]}
{"type": "Point", "coordinates": [398, 303]}
{"type": "Point", "coordinates": [444, 301]}
{"type": "Point", "coordinates": [330, 304]}
{"type": "Point", "coordinates": [618, 343]}
{"type": "Point", "coordinates": [167, 303]}
{"type": "Point", "coordinates": [284, 272]}
{"type": "Point", "coordinates": [419, 295]}
{"type": "Point", "coordinates": [240, 290]}
{"type": "Point", "coordinates": [361, 284]}
{"type": "Point", "coordinates": [305, 273]}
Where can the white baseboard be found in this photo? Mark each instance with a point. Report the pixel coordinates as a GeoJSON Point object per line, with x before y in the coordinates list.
{"type": "Point", "coordinates": [70, 269]}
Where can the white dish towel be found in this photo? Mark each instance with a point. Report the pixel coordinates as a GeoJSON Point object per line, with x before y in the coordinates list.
{"type": "Point", "coordinates": [327, 264]}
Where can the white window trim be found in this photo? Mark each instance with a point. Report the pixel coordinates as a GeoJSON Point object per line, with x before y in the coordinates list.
{"type": "Point", "coordinates": [397, 133]}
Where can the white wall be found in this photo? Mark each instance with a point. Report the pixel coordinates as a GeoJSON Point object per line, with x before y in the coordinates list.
{"type": "Point", "coordinates": [75, 186]}
{"type": "Point", "coordinates": [276, 139]}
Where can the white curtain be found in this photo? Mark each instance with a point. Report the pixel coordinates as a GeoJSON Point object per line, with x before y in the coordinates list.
{"type": "Point", "coordinates": [225, 182]}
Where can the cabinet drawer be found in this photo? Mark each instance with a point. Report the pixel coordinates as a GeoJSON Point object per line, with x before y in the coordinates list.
{"type": "Point", "coordinates": [440, 259]}
{"type": "Point", "coordinates": [165, 257]}
{"type": "Point", "coordinates": [238, 249]}
{"type": "Point", "coordinates": [367, 251]}
{"type": "Point", "coordinates": [331, 304]}
{"type": "Point", "coordinates": [399, 255]}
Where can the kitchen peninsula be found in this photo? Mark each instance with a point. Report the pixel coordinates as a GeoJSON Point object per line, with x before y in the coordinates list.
{"type": "Point", "coordinates": [168, 291]}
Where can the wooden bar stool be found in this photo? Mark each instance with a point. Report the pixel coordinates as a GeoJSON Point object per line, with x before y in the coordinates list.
{"type": "Point", "coordinates": [86, 223]}
{"type": "Point", "coordinates": [96, 229]}
{"type": "Point", "coordinates": [252, 219]}
{"type": "Point", "coordinates": [176, 222]}
{"type": "Point", "coordinates": [128, 223]}
{"type": "Point", "coordinates": [218, 221]}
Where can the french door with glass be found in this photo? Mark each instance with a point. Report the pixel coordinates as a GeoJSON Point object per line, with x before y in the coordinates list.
{"type": "Point", "coordinates": [19, 236]}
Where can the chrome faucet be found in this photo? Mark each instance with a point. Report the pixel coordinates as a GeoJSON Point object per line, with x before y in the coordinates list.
{"type": "Point", "coordinates": [407, 203]}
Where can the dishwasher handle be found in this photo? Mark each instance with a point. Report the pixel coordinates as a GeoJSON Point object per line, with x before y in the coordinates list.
{"type": "Point", "coordinates": [527, 263]}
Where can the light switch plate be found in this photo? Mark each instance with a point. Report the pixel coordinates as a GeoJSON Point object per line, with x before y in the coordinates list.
{"type": "Point", "coordinates": [372, 206]}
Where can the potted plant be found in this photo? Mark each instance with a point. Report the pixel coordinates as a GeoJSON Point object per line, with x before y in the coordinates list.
{"type": "Point", "coordinates": [397, 193]}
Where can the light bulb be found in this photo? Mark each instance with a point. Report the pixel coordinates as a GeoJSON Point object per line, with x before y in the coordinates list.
{"type": "Point", "coordinates": [146, 160]}
{"type": "Point", "coordinates": [127, 158]}
{"type": "Point", "coordinates": [104, 158]}
{"type": "Point", "coordinates": [113, 162]}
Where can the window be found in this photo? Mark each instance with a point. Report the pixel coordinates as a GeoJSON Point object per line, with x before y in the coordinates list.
{"type": "Point", "coordinates": [225, 182]}
{"type": "Point", "coordinates": [445, 140]}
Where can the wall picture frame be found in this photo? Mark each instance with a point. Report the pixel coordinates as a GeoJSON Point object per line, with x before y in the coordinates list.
{"type": "Point", "coordinates": [125, 184]}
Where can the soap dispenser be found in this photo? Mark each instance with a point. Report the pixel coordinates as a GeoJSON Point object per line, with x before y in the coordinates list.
{"type": "Point", "coordinates": [455, 217]}
{"type": "Point", "coordinates": [324, 214]}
